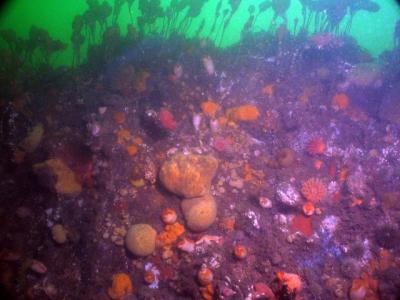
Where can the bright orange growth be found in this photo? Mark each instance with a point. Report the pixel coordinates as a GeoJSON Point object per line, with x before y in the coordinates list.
{"type": "Point", "coordinates": [318, 164]}
{"type": "Point", "coordinates": [149, 277]}
{"type": "Point", "coordinates": [210, 108]}
{"type": "Point", "coordinates": [167, 119]}
{"type": "Point", "coordinates": [132, 149]}
{"type": "Point", "coordinates": [207, 292]}
{"type": "Point", "coordinates": [356, 202]}
{"type": "Point", "coordinates": [245, 112]}
{"type": "Point", "coordinates": [222, 121]}
{"type": "Point", "coordinates": [228, 224]}
{"type": "Point", "coordinates": [119, 117]}
{"type": "Point", "coordinates": [205, 276]}
{"type": "Point", "coordinates": [268, 90]}
{"type": "Point", "coordinates": [303, 225]}
{"type": "Point", "coordinates": [170, 234]}
{"type": "Point", "coordinates": [340, 101]}
{"type": "Point", "coordinates": [316, 146]}
{"type": "Point", "coordinates": [121, 286]}
{"type": "Point", "coordinates": [308, 208]}
{"type": "Point", "coordinates": [385, 261]}
{"type": "Point", "coordinates": [364, 288]}
{"type": "Point", "coordinates": [123, 136]}
{"type": "Point", "coordinates": [313, 190]}
{"type": "Point", "coordinates": [290, 280]}
{"type": "Point", "coordinates": [343, 174]}
{"type": "Point", "coordinates": [240, 251]}
{"type": "Point", "coordinates": [248, 172]}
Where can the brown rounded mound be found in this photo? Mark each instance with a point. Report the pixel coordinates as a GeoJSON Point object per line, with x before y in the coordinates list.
{"type": "Point", "coordinates": [190, 175]}
{"type": "Point", "coordinates": [199, 213]}
{"type": "Point", "coordinates": [141, 239]}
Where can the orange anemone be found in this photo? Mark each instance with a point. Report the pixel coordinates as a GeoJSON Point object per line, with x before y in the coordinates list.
{"type": "Point", "coordinates": [340, 101]}
{"type": "Point", "coordinates": [313, 190]}
{"type": "Point", "coordinates": [316, 146]}
{"type": "Point", "coordinates": [210, 108]}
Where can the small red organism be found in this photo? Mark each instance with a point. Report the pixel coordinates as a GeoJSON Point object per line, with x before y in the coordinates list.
{"type": "Point", "coordinates": [316, 146]}
{"type": "Point", "coordinates": [167, 119]}
{"type": "Point", "coordinates": [222, 144]}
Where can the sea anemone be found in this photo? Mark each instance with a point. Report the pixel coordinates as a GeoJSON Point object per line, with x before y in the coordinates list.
{"type": "Point", "coordinates": [268, 90]}
{"type": "Point", "coordinates": [291, 281]}
{"type": "Point", "coordinates": [167, 119]}
{"type": "Point", "coordinates": [210, 108]}
{"type": "Point", "coordinates": [169, 216]}
{"type": "Point", "coordinates": [149, 277]}
{"type": "Point", "coordinates": [340, 101]}
{"type": "Point", "coordinates": [308, 208]}
{"type": "Point", "coordinates": [313, 190]}
{"type": "Point", "coordinates": [205, 276]}
{"type": "Point", "coordinates": [121, 286]}
{"type": "Point", "coordinates": [316, 146]}
{"type": "Point", "coordinates": [240, 251]}
{"type": "Point", "coordinates": [119, 117]}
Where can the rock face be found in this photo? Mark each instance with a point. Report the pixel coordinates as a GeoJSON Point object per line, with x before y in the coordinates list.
{"type": "Point", "coordinates": [390, 106]}
{"type": "Point", "coordinates": [141, 239]}
{"type": "Point", "coordinates": [189, 176]}
{"type": "Point", "coordinates": [199, 213]}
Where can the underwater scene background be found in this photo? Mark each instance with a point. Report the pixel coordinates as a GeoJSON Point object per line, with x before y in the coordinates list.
{"type": "Point", "coordinates": [191, 149]}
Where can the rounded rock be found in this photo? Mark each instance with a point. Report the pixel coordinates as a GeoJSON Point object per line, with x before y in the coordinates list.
{"type": "Point", "coordinates": [199, 213]}
{"type": "Point", "coordinates": [141, 239]}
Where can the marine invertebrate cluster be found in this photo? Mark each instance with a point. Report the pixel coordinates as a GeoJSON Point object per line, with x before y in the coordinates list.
{"type": "Point", "coordinates": [170, 234]}
{"type": "Point", "coordinates": [313, 190]}
{"type": "Point", "coordinates": [245, 112]}
{"type": "Point", "coordinates": [121, 286]}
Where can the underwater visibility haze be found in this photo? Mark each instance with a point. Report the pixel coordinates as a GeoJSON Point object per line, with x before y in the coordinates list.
{"type": "Point", "coordinates": [191, 149]}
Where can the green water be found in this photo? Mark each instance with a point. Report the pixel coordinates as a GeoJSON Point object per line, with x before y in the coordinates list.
{"type": "Point", "coordinates": [373, 31]}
